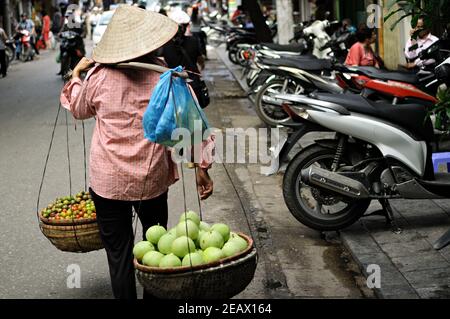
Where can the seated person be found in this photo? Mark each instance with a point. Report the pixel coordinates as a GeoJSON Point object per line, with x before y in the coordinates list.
{"type": "Point", "coordinates": [415, 46]}
{"type": "Point", "coordinates": [361, 53]}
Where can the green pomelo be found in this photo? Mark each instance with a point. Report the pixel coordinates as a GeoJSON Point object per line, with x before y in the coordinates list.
{"type": "Point", "coordinates": [191, 215]}
{"type": "Point", "coordinates": [187, 228]}
{"type": "Point", "coordinates": [223, 229]}
{"type": "Point", "coordinates": [154, 233]}
{"type": "Point", "coordinates": [211, 239]}
{"type": "Point", "coordinates": [165, 243]}
{"type": "Point", "coordinates": [212, 254]}
{"type": "Point", "coordinates": [193, 259]}
{"type": "Point", "coordinates": [170, 261]}
{"type": "Point", "coordinates": [152, 258]}
{"type": "Point", "coordinates": [141, 248]}
{"type": "Point", "coordinates": [182, 246]}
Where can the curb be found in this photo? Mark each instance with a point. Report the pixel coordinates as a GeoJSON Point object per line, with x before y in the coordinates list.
{"type": "Point", "coordinates": [365, 251]}
{"type": "Point", "coordinates": [234, 69]}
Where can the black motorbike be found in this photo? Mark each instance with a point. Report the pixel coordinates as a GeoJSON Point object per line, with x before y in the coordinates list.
{"type": "Point", "coordinates": [71, 50]}
{"type": "Point", "coordinates": [238, 36]}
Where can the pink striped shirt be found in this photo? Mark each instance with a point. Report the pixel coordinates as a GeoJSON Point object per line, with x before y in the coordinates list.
{"type": "Point", "coordinates": [120, 156]}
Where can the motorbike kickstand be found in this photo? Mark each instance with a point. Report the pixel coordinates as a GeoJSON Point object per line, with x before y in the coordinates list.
{"type": "Point", "coordinates": [387, 212]}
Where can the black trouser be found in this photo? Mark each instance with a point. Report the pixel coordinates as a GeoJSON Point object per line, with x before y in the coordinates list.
{"type": "Point", "coordinates": [3, 62]}
{"type": "Point", "coordinates": [33, 42]}
{"type": "Point", "coordinates": [114, 219]}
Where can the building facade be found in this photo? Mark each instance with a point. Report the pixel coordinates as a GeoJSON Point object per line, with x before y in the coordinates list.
{"type": "Point", "coordinates": [361, 12]}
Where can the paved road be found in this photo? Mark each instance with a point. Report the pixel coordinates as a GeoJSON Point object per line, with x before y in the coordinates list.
{"type": "Point", "coordinates": [31, 266]}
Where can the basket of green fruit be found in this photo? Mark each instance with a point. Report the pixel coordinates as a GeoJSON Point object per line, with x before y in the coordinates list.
{"type": "Point", "coordinates": [70, 223]}
{"type": "Point", "coordinates": [195, 260]}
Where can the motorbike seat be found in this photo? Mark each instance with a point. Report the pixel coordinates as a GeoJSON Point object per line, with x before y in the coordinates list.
{"type": "Point", "coordinates": [306, 64]}
{"type": "Point", "coordinates": [241, 30]}
{"type": "Point", "coordinates": [375, 73]}
{"type": "Point", "coordinates": [284, 47]}
{"type": "Point", "coordinates": [410, 117]}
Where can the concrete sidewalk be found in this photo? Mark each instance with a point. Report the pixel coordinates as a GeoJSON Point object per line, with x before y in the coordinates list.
{"type": "Point", "coordinates": [409, 266]}
{"type": "Point", "coordinates": [294, 261]}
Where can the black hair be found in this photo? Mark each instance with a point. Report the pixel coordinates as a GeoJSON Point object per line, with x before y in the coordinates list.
{"type": "Point", "coordinates": [194, 15]}
{"type": "Point", "coordinates": [364, 33]}
{"type": "Point", "coordinates": [421, 17]}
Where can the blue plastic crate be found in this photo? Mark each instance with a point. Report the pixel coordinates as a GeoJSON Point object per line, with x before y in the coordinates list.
{"type": "Point", "coordinates": [440, 161]}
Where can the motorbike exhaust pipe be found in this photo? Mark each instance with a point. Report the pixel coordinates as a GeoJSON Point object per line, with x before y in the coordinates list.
{"type": "Point", "coordinates": [334, 182]}
{"type": "Point", "coordinates": [272, 101]}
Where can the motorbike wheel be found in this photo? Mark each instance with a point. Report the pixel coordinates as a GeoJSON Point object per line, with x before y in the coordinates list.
{"type": "Point", "coordinates": [272, 115]}
{"type": "Point", "coordinates": [9, 54]}
{"type": "Point", "coordinates": [316, 208]}
{"type": "Point", "coordinates": [232, 54]}
{"type": "Point", "coordinates": [24, 54]}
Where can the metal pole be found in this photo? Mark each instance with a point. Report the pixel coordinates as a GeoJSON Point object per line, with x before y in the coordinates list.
{"type": "Point", "coordinates": [7, 19]}
{"type": "Point", "coordinates": [285, 21]}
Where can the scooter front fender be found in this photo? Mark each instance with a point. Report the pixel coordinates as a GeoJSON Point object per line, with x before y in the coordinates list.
{"type": "Point", "coordinates": [301, 131]}
{"type": "Point", "coordinates": [280, 152]}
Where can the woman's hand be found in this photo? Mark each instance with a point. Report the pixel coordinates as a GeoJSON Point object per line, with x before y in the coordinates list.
{"type": "Point", "coordinates": [204, 184]}
{"type": "Point", "coordinates": [84, 65]}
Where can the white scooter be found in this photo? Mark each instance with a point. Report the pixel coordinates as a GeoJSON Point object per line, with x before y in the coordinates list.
{"type": "Point", "coordinates": [380, 152]}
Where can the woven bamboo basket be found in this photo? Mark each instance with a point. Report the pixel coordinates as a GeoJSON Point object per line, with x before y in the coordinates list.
{"type": "Point", "coordinates": [219, 280]}
{"type": "Point", "coordinates": [79, 236]}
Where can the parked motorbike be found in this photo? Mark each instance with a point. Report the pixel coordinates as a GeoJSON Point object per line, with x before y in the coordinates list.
{"type": "Point", "coordinates": [300, 74]}
{"type": "Point", "coordinates": [375, 84]}
{"type": "Point", "coordinates": [380, 152]}
{"type": "Point", "coordinates": [27, 52]}
{"type": "Point", "coordinates": [239, 36]}
{"type": "Point", "coordinates": [71, 50]}
{"type": "Point", "coordinates": [294, 76]}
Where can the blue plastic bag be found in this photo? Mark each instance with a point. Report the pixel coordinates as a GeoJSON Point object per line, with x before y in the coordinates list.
{"type": "Point", "coordinates": [172, 106]}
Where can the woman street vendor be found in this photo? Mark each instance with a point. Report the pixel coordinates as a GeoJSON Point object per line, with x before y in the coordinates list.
{"type": "Point", "coordinates": [126, 170]}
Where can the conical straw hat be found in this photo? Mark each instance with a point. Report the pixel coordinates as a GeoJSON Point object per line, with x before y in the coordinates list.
{"type": "Point", "coordinates": [131, 33]}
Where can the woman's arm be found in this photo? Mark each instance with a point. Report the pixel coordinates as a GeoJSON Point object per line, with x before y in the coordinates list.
{"type": "Point", "coordinates": [77, 95]}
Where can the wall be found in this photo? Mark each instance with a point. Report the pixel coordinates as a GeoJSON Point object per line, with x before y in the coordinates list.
{"type": "Point", "coordinates": [394, 41]}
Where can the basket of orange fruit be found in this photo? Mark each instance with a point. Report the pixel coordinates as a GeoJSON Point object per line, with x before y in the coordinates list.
{"type": "Point", "coordinates": [70, 223]}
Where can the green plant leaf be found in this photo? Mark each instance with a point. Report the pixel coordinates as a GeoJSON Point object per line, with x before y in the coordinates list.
{"type": "Point", "coordinates": [391, 14]}
{"type": "Point", "coordinates": [399, 20]}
